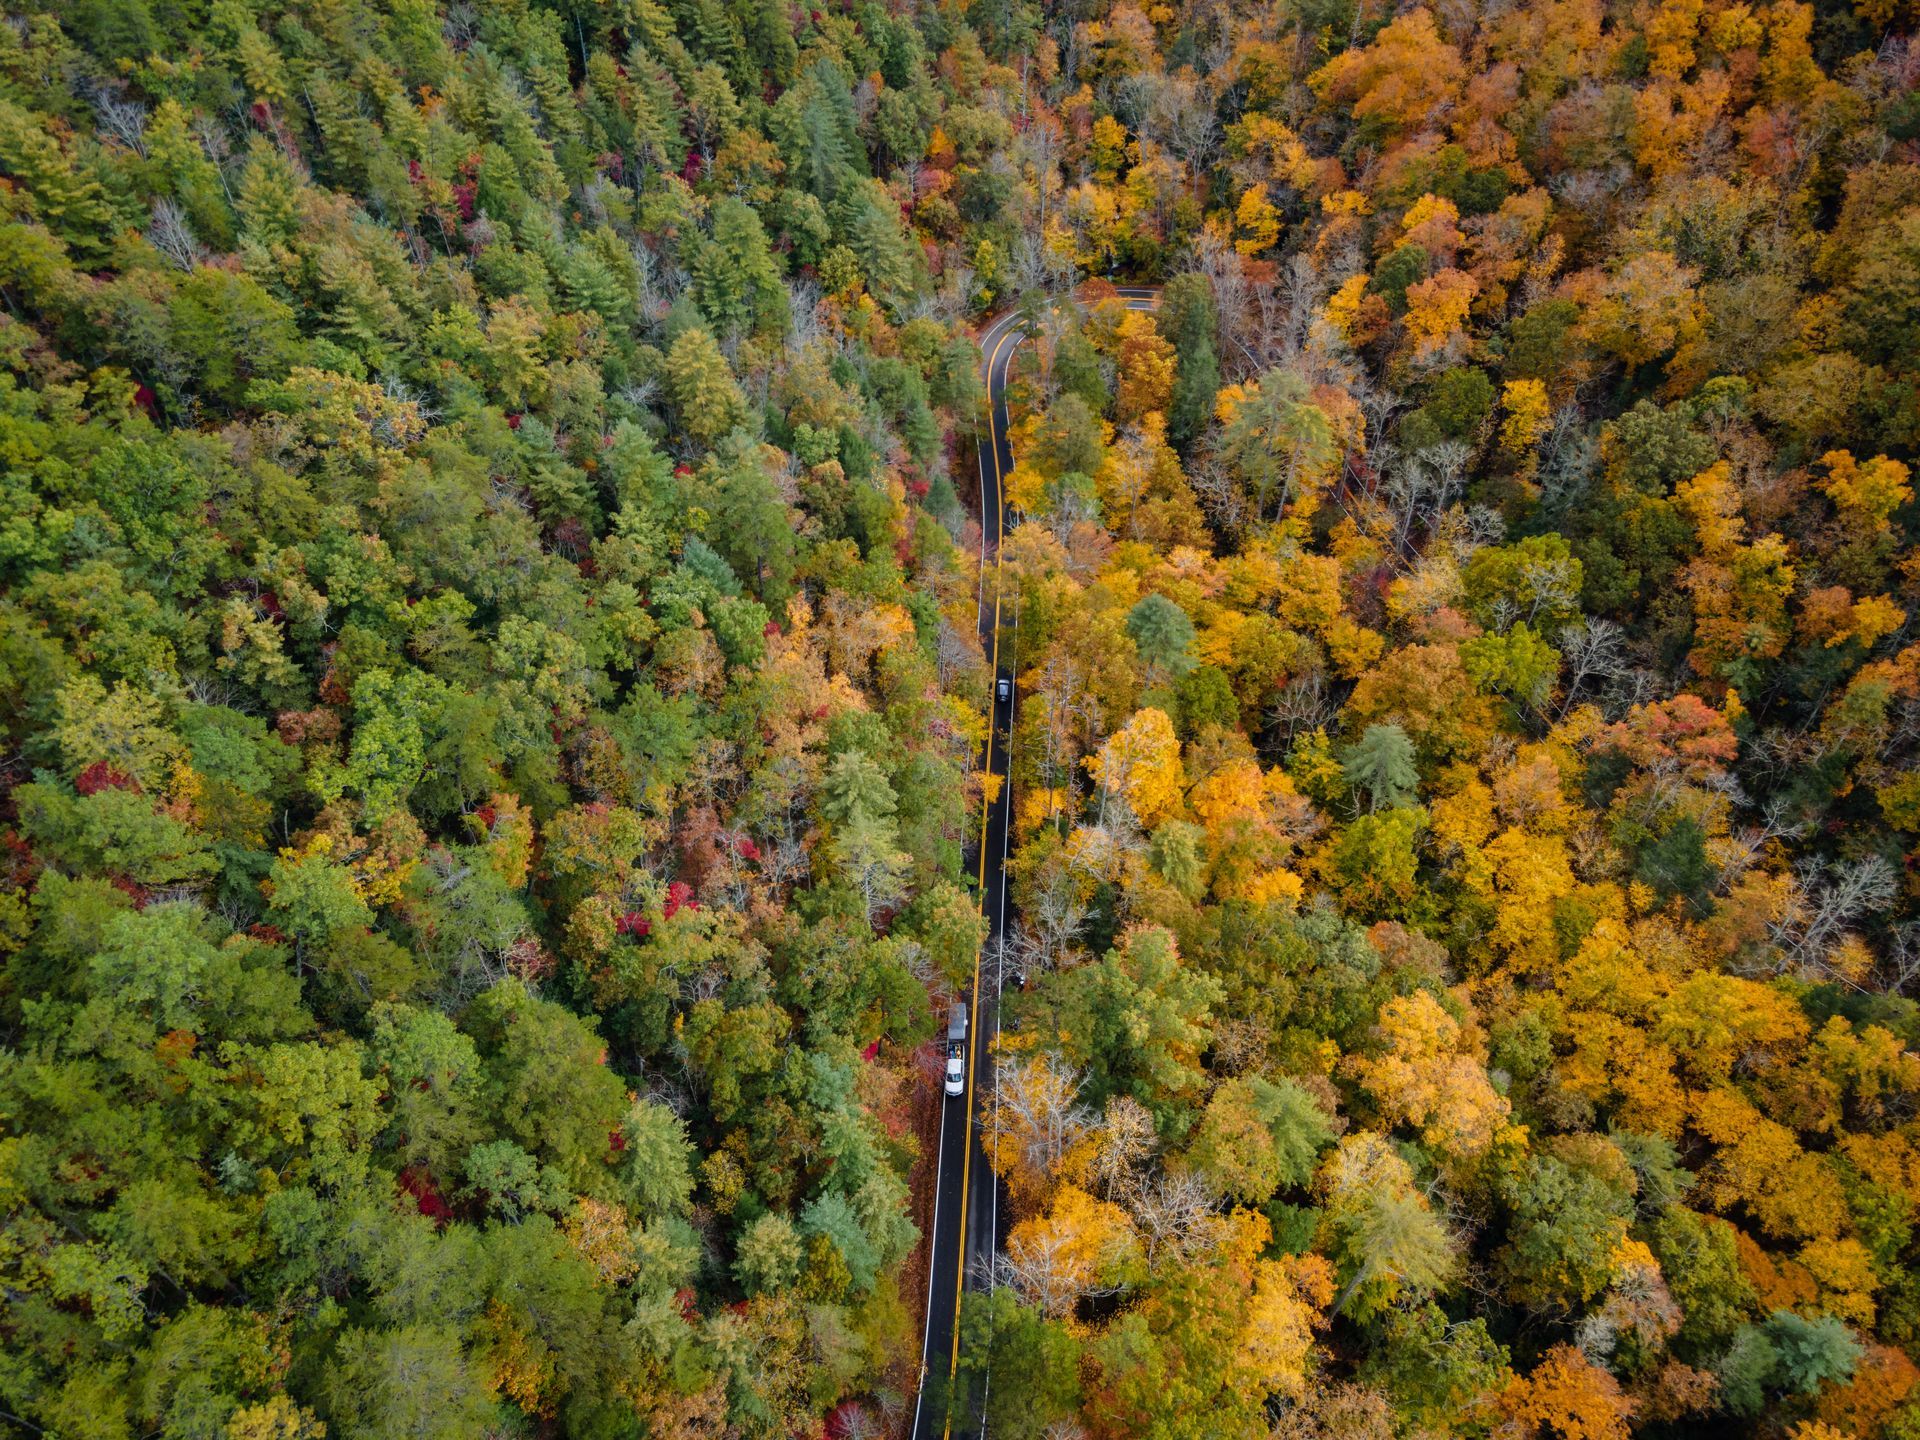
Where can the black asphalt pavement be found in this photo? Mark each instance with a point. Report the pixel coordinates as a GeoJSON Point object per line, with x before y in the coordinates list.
{"type": "Point", "coordinates": [969, 1208]}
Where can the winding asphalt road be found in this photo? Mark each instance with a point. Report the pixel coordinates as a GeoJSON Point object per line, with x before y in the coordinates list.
{"type": "Point", "coordinates": [968, 1206]}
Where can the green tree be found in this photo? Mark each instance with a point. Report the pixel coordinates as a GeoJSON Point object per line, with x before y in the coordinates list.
{"type": "Point", "coordinates": [1033, 1363]}
{"type": "Point", "coordinates": [1189, 319]}
{"type": "Point", "coordinates": [1519, 664]}
{"type": "Point", "coordinates": [1698, 1258]}
{"type": "Point", "coordinates": [547, 1080]}
{"type": "Point", "coordinates": [1433, 1366]}
{"type": "Point", "coordinates": [414, 1381]}
{"type": "Point", "coordinates": [1785, 1353]}
{"type": "Point", "coordinates": [705, 396]}
{"type": "Point", "coordinates": [432, 1076]}
{"type": "Point", "coordinates": [315, 899]}
{"type": "Point", "coordinates": [269, 196]}
{"type": "Point", "coordinates": [1069, 440]}
{"type": "Point", "coordinates": [121, 728]}
{"type": "Point", "coordinates": [511, 1183]}
{"type": "Point", "coordinates": [1376, 862]}
{"type": "Point", "coordinates": [868, 217]}
{"type": "Point", "coordinates": [1079, 371]}
{"type": "Point", "coordinates": [1390, 1245]}
{"type": "Point", "coordinates": [769, 1255]}
{"type": "Point", "coordinates": [178, 1225]}
{"type": "Point", "coordinates": [735, 1052]}
{"type": "Point", "coordinates": [755, 529]}
{"type": "Point", "coordinates": [1651, 449]}
{"type": "Point", "coordinates": [1163, 633]}
{"type": "Point", "coordinates": [1137, 1019]}
{"type": "Point", "coordinates": [1536, 582]}
{"type": "Point", "coordinates": [1812, 1353]}
{"type": "Point", "coordinates": [656, 1159]}
{"type": "Point", "coordinates": [856, 787]}
{"type": "Point", "coordinates": [1278, 441]}
{"type": "Point", "coordinates": [946, 920]}
{"type": "Point", "coordinates": [395, 720]}
{"type": "Point", "coordinates": [166, 964]}
{"type": "Point", "coordinates": [1567, 1226]}
{"type": "Point", "coordinates": [1382, 764]}
{"type": "Point", "coordinates": [71, 203]}
{"type": "Point", "coordinates": [1178, 851]}
{"type": "Point", "coordinates": [735, 279]}
{"type": "Point", "coordinates": [1257, 1135]}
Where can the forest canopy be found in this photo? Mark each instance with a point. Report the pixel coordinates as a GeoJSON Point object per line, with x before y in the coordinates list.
{"type": "Point", "coordinates": [491, 699]}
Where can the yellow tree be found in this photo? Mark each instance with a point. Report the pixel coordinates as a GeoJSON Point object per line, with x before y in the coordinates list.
{"type": "Point", "coordinates": [1564, 1397]}
{"type": "Point", "coordinates": [1256, 223]}
{"type": "Point", "coordinates": [1437, 309]}
{"type": "Point", "coordinates": [602, 1234]}
{"type": "Point", "coordinates": [1109, 148]}
{"type": "Point", "coordinates": [1288, 1303]}
{"type": "Point", "coordinates": [1671, 31]}
{"type": "Point", "coordinates": [1081, 1246]}
{"type": "Point", "coordinates": [1531, 875]}
{"type": "Point", "coordinates": [1739, 591]}
{"type": "Point", "coordinates": [1760, 1166]}
{"type": "Point", "coordinates": [1145, 363]}
{"type": "Point", "coordinates": [1037, 1117]}
{"type": "Point", "coordinates": [1355, 312]}
{"type": "Point", "coordinates": [1140, 764]}
{"type": "Point", "coordinates": [277, 1418]}
{"type": "Point", "coordinates": [1525, 402]}
{"type": "Point", "coordinates": [1399, 80]}
{"type": "Point", "coordinates": [1426, 1075]}
{"type": "Point", "coordinates": [1251, 820]}
{"type": "Point", "coordinates": [1143, 495]}
{"type": "Point", "coordinates": [1865, 494]}
{"type": "Point", "coordinates": [1433, 224]}
{"type": "Point", "coordinates": [1642, 308]}
{"type": "Point", "coordinates": [1608, 990]}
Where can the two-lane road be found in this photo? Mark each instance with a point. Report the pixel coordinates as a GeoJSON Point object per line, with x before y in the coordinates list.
{"type": "Point", "coordinates": [967, 1194]}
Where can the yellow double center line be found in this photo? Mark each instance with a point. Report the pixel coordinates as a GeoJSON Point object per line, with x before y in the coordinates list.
{"type": "Point", "coordinates": [1002, 346]}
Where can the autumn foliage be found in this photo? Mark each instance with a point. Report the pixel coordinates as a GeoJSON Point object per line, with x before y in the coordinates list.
{"type": "Point", "coordinates": [494, 670]}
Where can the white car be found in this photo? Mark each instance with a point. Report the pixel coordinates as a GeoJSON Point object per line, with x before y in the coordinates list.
{"type": "Point", "coordinates": [956, 1048]}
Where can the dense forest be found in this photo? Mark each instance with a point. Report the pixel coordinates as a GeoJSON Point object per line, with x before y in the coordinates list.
{"type": "Point", "coordinates": [491, 707]}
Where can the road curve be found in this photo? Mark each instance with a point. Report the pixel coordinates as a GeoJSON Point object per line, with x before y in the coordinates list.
{"type": "Point", "coordinates": [968, 1203]}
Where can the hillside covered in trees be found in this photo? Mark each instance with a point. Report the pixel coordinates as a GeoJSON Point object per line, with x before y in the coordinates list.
{"type": "Point", "coordinates": [490, 707]}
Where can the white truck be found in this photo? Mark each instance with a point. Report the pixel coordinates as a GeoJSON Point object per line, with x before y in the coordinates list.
{"type": "Point", "coordinates": [956, 1048]}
